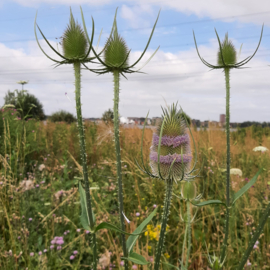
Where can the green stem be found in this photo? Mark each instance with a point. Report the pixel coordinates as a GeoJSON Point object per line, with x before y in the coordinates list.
{"type": "Point", "coordinates": [166, 211]}
{"type": "Point", "coordinates": [189, 232]}
{"type": "Point", "coordinates": [183, 248]}
{"type": "Point", "coordinates": [77, 72]}
{"type": "Point", "coordinates": [116, 77]}
{"type": "Point", "coordinates": [225, 242]}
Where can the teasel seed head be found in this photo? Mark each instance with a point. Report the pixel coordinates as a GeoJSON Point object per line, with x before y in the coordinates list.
{"type": "Point", "coordinates": [189, 190]}
{"type": "Point", "coordinates": [228, 51]}
{"type": "Point", "coordinates": [74, 41]}
{"type": "Point", "coordinates": [116, 51]}
{"type": "Point", "coordinates": [174, 153]}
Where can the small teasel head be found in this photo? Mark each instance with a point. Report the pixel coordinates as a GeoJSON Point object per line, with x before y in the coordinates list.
{"type": "Point", "coordinates": [116, 51]}
{"type": "Point", "coordinates": [170, 154]}
{"type": "Point", "coordinates": [74, 41]}
{"type": "Point", "coordinates": [188, 190]}
{"type": "Point", "coordinates": [229, 53]}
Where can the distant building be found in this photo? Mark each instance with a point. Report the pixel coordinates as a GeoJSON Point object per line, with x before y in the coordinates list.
{"type": "Point", "coordinates": [196, 122]}
{"type": "Point", "coordinates": [222, 120]}
{"type": "Point", "coordinates": [156, 121]}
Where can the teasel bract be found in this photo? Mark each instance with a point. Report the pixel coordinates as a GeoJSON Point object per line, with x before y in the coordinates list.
{"type": "Point", "coordinates": [76, 47]}
{"type": "Point", "coordinates": [170, 161]}
{"type": "Point", "coordinates": [227, 60]}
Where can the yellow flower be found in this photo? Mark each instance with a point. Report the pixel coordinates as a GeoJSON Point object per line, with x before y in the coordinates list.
{"type": "Point", "coordinates": [149, 248]}
{"type": "Point", "coordinates": [167, 255]}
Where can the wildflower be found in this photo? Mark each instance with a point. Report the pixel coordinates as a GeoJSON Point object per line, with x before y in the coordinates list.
{"type": "Point", "coordinates": [134, 266]}
{"type": "Point", "coordinates": [41, 167]}
{"type": "Point", "coordinates": [154, 206]}
{"type": "Point", "coordinates": [87, 232]}
{"type": "Point", "coordinates": [37, 186]}
{"type": "Point", "coordinates": [45, 250]}
{"type": "Point", "coordinates": [122, 263]}
{"type": "Point", "coordinates": [72, 257]}
{"type": "Point", "coordinates": [167, 255]}
{"type": "Point", "coordinates": [58, 247]}
{"type": "Point", "coordinates": [260, 149]}
{"type": "Point", "coordinates": [32, 254]}
{"type": "Point", "coordinates": [78, 230]}
{"type": "Point", "coordinates": [26, 185]}
{"type": "Point", "coordinates": [75, 252]}
{"type": "Point", "coordinates": [138, 214]}
{"type": "Point", "coordinates": [52, 247]}
{"type": "Point", "coordinates": [105, 259]}
{"type": "Point", "coordinates": [236, 171]}
{"type": "Point", "coordinates": [30, 219]}
{"type": "Point", "coordinates": [40, 253]}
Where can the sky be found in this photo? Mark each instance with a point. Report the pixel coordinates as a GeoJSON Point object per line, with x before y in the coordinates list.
{"type": "Point", "coordinates": [174, 74]}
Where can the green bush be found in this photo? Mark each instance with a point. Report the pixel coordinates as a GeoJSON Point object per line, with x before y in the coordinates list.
{"type": "Point", "coordinates": [62, 116]}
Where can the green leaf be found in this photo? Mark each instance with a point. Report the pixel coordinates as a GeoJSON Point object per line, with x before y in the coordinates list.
{"type": "Point", "coordinates": [268, 183]}
{"type": "Point", "coordinates": [132, 239]}
{"type": "Point", "coordinates": [245, 188]}
{"type": "Point", "coordinates": [84, 218]}
{"type": "Point", "coordinates": [106, 225]}
{"type": "Point", "coordinates": [208, 203]}
{"type": "Point", "coordinates": [136, 258]}
{"type": "Point", "coordinates": [168, 264]}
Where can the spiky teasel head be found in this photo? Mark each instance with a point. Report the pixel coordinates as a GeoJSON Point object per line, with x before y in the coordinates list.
{"type": "Point", "coordinates": [170, 154]}
{"type": "Point", "coordinates": [228, 52]}
{"type": "Point", "coordinates": [189, 190]}
{"type": "Point", "coordinates": [116, 51]}
{"type": "Point", "coordinates": [74, 42]}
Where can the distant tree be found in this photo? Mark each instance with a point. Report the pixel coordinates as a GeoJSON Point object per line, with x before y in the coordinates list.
{"type": "Point", "coordinates": [27, 105]}
{"type": "Point", "coordinates": [107, 116]}
{"type": "Point", "coordinates": [62, 116]}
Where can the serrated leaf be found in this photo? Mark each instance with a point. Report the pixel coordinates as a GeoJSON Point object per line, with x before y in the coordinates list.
{"type": "Point", "coordinates": [245, 188]}
{"type": "Point", "coordinates": [84, 218]}
{"type": "Point", "coordinates": [208, 203]}
{"type": "Point", "coordinates": [106, 225]}
{"type": "Point", "coordinates": [168, 264]}
{"type": "Point", "coordinates": [132, 239]}
{"type": "Point", "coordinates": [136, 258]}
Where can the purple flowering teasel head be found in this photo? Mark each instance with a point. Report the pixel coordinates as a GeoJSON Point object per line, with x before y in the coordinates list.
{"type": "Point", "coordinates": [170, 153]}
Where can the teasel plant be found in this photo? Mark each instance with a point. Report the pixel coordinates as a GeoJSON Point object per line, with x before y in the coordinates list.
{"type": "Point", "coordinates": [227, 60]}
{"type": "Point", "coordinates": [116, 61]}
{"type": "Point", "coordinates": [170, 161]}
{"type": "Point", "coordinates": [76, 51]}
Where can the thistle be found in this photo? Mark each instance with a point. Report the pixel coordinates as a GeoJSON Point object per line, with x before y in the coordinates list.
{"type": "Point", "coordinates": [76, 50]}
{"type": "Point", "coordinates": [226, 60]}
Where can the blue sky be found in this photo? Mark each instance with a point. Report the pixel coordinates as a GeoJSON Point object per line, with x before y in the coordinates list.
{"type": "Point", "coordinates": [174, 74]}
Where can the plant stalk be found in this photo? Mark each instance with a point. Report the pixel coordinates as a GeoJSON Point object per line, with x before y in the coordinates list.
{"type": "Point", "coordinates": [77, 72]}
{"type": "Point", "coordinates": [166, 211]}
{"type": "Point", "coordinates": [225, 242]}
{"type": "Point", "coordinates": [116, 77]}
{"type": "Point", "coordinates": [189, 232]}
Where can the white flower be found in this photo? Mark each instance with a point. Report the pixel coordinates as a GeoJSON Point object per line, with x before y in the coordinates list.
{"type": "Point", "coordinates": [260, 148]}
{"type": "Point", "coordinates": [236, 171]}
{"type": "Point", "coordinates": [26, 185]}
{"type": "Point", "coordinates": [41, 167]}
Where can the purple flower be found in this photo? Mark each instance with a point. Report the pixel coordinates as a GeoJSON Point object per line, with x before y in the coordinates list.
{"type": "Point", "coordinates": [30, 219]}
{"type": "Point", "coordinates": [171, 141]}
{"type": "Point", "coordinates": [45, 250]}
{"type": "Point", "coordinates": [168, 159]}
{"type": "Point", "coordinates": [154, 206]}
{"type": "Point", "coordinates": [32, 254]}
{"type": "Point", "coordinates": [72, 257]}
{"type": "Point", "coordinates": [52, 246]}
{"type": "Point", "coordinates": [42, 182]}
{"type": "Point", "coordinates": [75, 252]}
{"type": "Point", "coordinates": [87, 232]}
{"type": "Point", "coordinates": [40, 253]}
{"type": "Point", "coordinates": [122, 263]}
{"type": "Point", "coordinates": [65, 233]}
{"type": "Point", "coordinates": [78, 230]}
{"type": "Point", "coordinates": [60, 242]}
{"type": "Point", "coordinates": [138, 214]}
{"type": "Point", "coordinates": [1, 183]}
{"type": "Point", "coordinates": [59, 247]}
{"type": "Point", "coordinates": [134, 266]}
{"type": "Point", "coordinates": [37, 185]}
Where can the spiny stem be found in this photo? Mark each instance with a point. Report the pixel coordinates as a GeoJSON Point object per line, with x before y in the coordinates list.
{"type": "Point", "coordinates": [166, 211]}
{"type": "Point", "coordinates": [189, 232]}
{"type": "Point", "coordinates": [184, 245]}
{"type": "Point", "coordinates": [225, 242]}
{"type": "Point", "coordinates": [77, 72]}
{"type": "Point", "coordinates": [116, 77]}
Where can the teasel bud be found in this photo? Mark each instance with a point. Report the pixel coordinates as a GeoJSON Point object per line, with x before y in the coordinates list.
{"type": "Point", "coordinates": [229, 53]}
{"type": "Point", "coordinates": [116, 51]}
{"type": "Point", "coordinates": [215, 263]}
{"type": "Point", "coordinates": [173, 159]}
{"type": "Point", "coordinates": [74, 41]}
{"type": "Point", "coordinates": [189, 190]}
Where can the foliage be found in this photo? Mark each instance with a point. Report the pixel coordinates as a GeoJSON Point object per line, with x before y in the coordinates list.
{"type": "Point", "coordinates": [62, 116]}
{"type": "Point", "coordinates": [107, 116]}
{"type": "Point", "coordinates": [27, 105]}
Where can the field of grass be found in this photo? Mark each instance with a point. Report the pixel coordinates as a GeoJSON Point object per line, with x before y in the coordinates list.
{"type": "Point", "coordinates": [39, 198]}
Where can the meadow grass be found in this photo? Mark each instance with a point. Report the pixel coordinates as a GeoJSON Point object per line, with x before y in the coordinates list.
{"type": "Point", "coordinates": [39, 200]}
